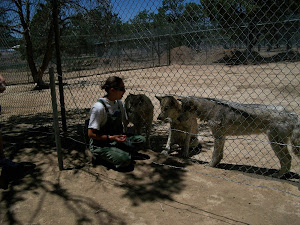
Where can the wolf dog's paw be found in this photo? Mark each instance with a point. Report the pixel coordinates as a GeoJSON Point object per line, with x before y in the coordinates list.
{"type": "Point", "coordinates": [185, 154]}
{"type": "Point", "coordinates": [148, 146]}
{"type": "Point", "coordinates": [212, 164]}
{"type": "Point", "coordinates": [165, 152]}
{"type": "Point", "coordinates": [175, 147]}
{"type": "Point", "coordinates": [278, 175]}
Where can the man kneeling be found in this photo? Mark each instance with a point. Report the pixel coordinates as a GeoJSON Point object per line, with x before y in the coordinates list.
{"type": "Point", "coordinates": [106, 129]}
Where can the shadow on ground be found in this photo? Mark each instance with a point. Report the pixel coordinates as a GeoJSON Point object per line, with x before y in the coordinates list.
{"type": "Point", "coordinates": [30, 139]}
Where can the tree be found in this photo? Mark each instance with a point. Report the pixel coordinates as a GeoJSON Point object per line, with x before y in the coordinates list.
{"type": "Point", "coordinates": [84, 30]}
{"type": "Point", "coordinates": [142, 21]}
{"type": "Point", "coordinates": [173, 9]}
{"type": "Point", "coordinates": [246, 21]}
{"type": "Point", "coordinates": [7, 40]}
{"type": "Point", "coordinates": [42, 42]}
{"type": "Point", "coordinates": [29, 24]}
{"type": "Point", "coordinates": [33, 20]}
{"type": "Point", "coordinates": [192, 16]}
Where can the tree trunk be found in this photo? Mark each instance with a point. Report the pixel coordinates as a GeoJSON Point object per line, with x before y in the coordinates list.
{"type": "Point", "coordinates": [37, 78]}
{"type": "Point", "coordinates": [29, 57]}
{"type": "Point", "coordinates": [47, 57]}
{"type": "Point", "coordinates": [37, 75]}
{"type": "Point", "coordinates": [252, 37]}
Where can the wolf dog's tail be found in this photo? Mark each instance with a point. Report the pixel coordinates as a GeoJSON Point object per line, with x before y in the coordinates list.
{"type": "Point", "coordinates": [295, 140]}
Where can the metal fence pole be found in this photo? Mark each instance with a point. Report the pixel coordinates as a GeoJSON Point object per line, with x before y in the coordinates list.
{"type": "Point", "coordinates": [59, 69]}
{"type": "Point", "coordinates": [169, 51]}
{"type": "Point", "coordinates": [119, 54]}
{"type": "Point", "coordinates": [152, 51]}
{"type": "Point", "coordinates": [55, 119]}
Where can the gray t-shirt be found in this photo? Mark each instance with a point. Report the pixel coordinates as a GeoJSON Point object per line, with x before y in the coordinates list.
{"type": "Point", "coordinates": [98, 115]}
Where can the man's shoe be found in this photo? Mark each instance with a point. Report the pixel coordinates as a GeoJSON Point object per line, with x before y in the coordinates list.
{"type": "Point", "coordinates": [8, 163]}
{"type": "Point", "coordinates": [93, 161]}
{"type": "Point", "coordinates": [3, 183]}
{"type": "Point", "coordinates": [140, 156]}
{"type": "Point", "coordinates": [125, 169]}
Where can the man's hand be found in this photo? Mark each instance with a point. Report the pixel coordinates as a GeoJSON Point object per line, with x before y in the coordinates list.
{"type": "Point", "coordinates": [118, 138]}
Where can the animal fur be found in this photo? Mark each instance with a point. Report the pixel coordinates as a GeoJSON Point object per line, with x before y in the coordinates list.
{"type": "Point", "coordinates": [170, 110]}
{"type": "Point", "coordinates": [227, 118]}
{"type": "Point", "coordinates": [139, 109]}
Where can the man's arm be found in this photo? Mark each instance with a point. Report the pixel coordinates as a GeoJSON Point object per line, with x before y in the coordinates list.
{"type": "Point", "coordinates": [94, 134]}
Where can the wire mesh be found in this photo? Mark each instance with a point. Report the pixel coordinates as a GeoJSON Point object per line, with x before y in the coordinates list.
{"type": "Point", "coordinates": [246, 52]}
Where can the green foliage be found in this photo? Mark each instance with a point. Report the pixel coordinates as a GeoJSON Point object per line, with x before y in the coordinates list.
{"type": "Point", "coordinates": [240, 21]}
{"type": "Point", "coordinates": [247, 21]}
{"type": "Point", "coordinates": [39, 30]}
{"type": "Point", "coordinates": [143, 17]}
{"type": "Point", "coordinates": [6, 38]}
{"type": "Point", "coordinates": [173, 9]}
{"type": "Point", "coordinates": [174, 17]}
{"type": "Point", "coordinates": [85, 30]}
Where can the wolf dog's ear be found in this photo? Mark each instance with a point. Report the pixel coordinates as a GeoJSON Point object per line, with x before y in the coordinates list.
{"type": "Point", "coordinates": [173, 101]}
{"type": "Point", "coordinates": [158, 97]}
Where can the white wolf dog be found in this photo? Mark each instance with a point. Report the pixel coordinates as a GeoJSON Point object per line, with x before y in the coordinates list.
{"type": "Point", "coordinates": [227, 118]}
{"type": "Point", "coordinates": [170, 110]}
{"type": "Point", "coordinates": [139, 109]}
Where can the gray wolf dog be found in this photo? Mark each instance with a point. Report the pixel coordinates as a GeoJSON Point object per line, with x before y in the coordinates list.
{"type": "Point", "coordinates": [227, 118]}
{"type": "Point", "coordinates": [139, 109]}
{"type": "Point", "coordinates": [170, 110]}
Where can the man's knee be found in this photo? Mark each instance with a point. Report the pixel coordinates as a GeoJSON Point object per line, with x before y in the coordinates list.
{"type": "Point", "coordinates": [120, 158]}
{"type": "Point", "coordinates": [113, 155]}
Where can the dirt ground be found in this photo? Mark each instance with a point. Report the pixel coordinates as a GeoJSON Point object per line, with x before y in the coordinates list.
{"type": "Point", "coordinates": [161, 190]}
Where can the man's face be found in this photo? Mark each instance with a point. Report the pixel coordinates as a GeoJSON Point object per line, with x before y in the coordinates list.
{"type": "Point", "coordinates": [119, 91]}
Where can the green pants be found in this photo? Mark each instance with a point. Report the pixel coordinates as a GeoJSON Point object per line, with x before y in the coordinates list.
{"type": "Point", "coordinates": [118, 154]}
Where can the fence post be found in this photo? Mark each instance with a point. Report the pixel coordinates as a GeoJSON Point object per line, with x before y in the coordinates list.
{"type": "Point", "coordinates": [58, 60]}
{"type": "Point", "coordinates": [169, 51]}
{"type": "Point", "coordinates": [158, 51]}
{"type": "Point", "coordinates": [55, 119]}
{"type": "Point", "coordinates": [119, 54]}
{"type": "Point", "coordinates": [152, 50]}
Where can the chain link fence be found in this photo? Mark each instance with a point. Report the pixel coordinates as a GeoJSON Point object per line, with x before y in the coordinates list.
{"type": "Point", "coordinates": [245, 52]}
